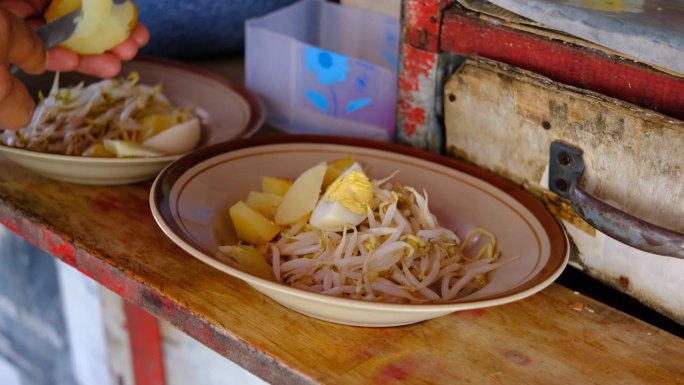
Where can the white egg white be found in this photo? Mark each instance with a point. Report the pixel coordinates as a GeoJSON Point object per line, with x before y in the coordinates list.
{"type": "Point", "coordinates": [331, 215]}
{"type": "Point", "coordinates": [178, 139]}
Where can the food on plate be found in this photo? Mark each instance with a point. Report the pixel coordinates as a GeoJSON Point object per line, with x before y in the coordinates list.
{"type": "Point", "coordinates": [361, 238]}
{"type": "Point", "coordinates": [345, 202]}
{"type": "Point", "coordinates": [335, 168]}
{"type": "Point", "coordinates": [102, 26]}
{"type": "Point", "coordinates": [277, 186]}
{"type": "Point", "coordinates": [250, 258]}
{"type": "Point", "coordinates": [264, 202]}
{"type": "Point", "coordinates": [300, 199]}
{"type": "Point", "coordinates": [110, 118]}
{"type": "Point", "coordinates": [252, 226]}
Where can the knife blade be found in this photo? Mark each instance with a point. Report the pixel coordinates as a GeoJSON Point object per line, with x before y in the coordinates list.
{"type": "Point", "coordinates": [59, 30]}
{"type": "Point", "coordinates": [55, 32]}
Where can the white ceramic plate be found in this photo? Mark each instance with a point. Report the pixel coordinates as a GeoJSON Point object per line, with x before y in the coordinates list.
{"type": "Point", "coordinates": [228, 111]}
{"type": "Point", "coordinates": [189, 200]}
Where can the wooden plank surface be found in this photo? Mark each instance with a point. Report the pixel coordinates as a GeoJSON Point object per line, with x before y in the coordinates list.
{"type": "Point", "coordinates": [562, 58]}
{"type": "Point", "coordinates": [487, 11]}
{"type": "Point", "coordinates": [649, 30]}
{"type": "Point", "coordinates": [556, 336]}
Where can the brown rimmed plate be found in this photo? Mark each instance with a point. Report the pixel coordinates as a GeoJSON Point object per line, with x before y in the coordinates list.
{"type": "Point", "coordinates": [189, 199]}
{"type": "Point", "coordinates": [228, 111]}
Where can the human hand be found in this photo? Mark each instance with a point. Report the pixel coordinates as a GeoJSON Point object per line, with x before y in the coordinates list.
{"type": "Point", "coordinates": [19, 46]}
{"type": "Point", "coordinates": [16, 105]}
{"type": "Point", "coordinates": [105, 65]}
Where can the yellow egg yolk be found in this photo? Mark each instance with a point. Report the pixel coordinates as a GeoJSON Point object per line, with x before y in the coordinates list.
{"type": "Point", "coordinates": [353, 191]}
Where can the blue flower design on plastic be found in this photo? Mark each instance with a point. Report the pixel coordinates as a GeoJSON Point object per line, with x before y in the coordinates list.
{"type": "Point", "coordinates": [361, 82]}
{"type": "Point", "coordinates": [358, 104]}
{"type": "Point", "coordinates": [318, 100]}
{"type": "Point", "coordinates": [330, 68]}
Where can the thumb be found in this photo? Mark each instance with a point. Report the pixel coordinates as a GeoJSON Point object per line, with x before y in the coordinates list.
{"type": "Point", "coordinates": [24, 8]}
{"type": "Point", "coordinates": [16, 105]}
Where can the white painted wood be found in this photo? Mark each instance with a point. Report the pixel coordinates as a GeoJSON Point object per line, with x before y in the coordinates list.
{"type": "Point", "coordinates": [633, 156]}
{"type": "Point", "coordinates": [118, 340]}
{"type": "Point", "coordinates": [187, 361]}
{"type": "Point", "coordinates": [83, 317]}
{"type": "Point", "coordinates": [494, 117]}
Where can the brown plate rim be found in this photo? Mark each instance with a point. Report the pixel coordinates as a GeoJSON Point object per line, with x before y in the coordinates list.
{"type": "Point", "coordinates": [559, 248]}
{"type": "Point", "coordinates": [256, 119]}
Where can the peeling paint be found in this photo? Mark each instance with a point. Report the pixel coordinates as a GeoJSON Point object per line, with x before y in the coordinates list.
{"type": "Point", "coordinates": [10, 227]}
{"type": "Point", "coordinates": [561, 209]}
{"type": "Point", "coordinates": [416, 90]}
{"type": "Point", "coordinates": [633, 161]}
{"type": "Point", "coordinates": [64, 251]}
{"type": "Point", "coordinates": [413, 117]}
{"type": "Point", "coordinates": [492, 120]}
{"type": "Point", "coordinates": [562, 58]}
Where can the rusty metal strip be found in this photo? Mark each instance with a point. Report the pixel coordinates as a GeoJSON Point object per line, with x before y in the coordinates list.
{"type": "Point", "coordinates": [566, 167]}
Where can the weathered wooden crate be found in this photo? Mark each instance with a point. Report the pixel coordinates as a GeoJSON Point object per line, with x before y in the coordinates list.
{"type": "Point", "coordinates": [538, 86]}
{"type": "Point", "coordinates": [504, 119]}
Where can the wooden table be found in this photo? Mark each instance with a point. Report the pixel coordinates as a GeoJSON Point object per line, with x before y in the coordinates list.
{"type": "Point", "coordinates": [556, 336]}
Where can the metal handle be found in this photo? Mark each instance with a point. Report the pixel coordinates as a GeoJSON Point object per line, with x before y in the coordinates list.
{"type": "Point", "coordinates": [566, 167]}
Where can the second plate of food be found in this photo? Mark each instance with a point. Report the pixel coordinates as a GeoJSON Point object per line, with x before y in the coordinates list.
{"type": "Point", "coordinates": [359, 232]}
{"type": "Point", "coordinates": [161, 108]}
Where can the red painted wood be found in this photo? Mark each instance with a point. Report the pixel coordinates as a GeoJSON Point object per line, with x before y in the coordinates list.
{"type": "Point", "coordinates": [418, 94]}
{"type": "Point", "coordinates": [425, 14]}
{"type": "Point", "coordinates": [422, 21]}
{"type": "Point", "coordinates": [146, 346]}
{"type": "Point", "coordinates": [418, 124]}
{"type": "Point", "coordinates": [463, 33]}
{"type": "Point", "coordinates": [417, 67]}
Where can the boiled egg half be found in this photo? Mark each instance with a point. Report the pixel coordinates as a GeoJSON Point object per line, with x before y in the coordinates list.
{"type": "Point", "coordinates": [345, 203]}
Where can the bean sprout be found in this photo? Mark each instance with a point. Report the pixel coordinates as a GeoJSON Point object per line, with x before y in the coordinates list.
{"type": "Point", "coordinates": [398, 254]}
{"type": "Point", "coordinates": [70, 120]}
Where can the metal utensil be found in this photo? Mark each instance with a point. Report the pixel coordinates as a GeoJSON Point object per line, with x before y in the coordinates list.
{"type": "Point", "coordinates": [55, 32]}
{"type": "Point", "coordinates": [59, 30]}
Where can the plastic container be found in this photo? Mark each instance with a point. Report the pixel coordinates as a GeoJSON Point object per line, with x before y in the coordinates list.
{"type": "Point", "coordinates": [322, 68]}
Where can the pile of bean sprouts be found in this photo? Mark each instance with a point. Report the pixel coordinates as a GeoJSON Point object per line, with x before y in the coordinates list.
{"type": "Point", "coordinates": [399, 254]}
{"type": "Point", "coordinates": [71, 119]}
